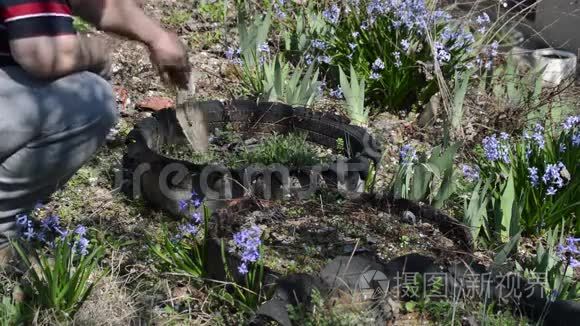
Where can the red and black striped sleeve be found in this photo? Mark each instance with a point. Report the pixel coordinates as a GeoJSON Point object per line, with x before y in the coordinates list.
{"type": "Point", "coordinates": [30, 18]}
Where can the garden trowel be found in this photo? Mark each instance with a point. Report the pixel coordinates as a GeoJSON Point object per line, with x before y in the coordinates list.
{"type": "Point", "coordinates": [191, 116]}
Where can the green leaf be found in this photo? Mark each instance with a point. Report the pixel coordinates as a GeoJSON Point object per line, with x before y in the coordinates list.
{"type": "Point", "coordinates": [421, 179]}
{"type": "Point", "coordinates": [447, 188]}
{"type": "Point", "coordinates": [501, 257]}
{"type": "Point", "coordinates": [475, 209]}
{"type": "Point", "coordinates": [354, 92]}
{"type": "Point", "coordinates": [508, 198]}
{"type": "Point", "coordinates": [410, 306]}
{"type": "Point", "coordinates": [461, 83]}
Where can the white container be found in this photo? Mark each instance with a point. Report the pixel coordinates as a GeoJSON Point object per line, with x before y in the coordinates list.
{"type": "Point", "coordinates": [559, 65]}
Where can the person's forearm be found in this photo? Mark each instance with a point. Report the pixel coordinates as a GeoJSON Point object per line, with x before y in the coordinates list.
{"type": "Point", "coordinates": [53, 57]}
{"type": "Point", "coordinates": [121, 17]}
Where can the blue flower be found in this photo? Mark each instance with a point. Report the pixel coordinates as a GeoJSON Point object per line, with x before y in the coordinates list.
{"type": "Point", "coordinates": [378, 64]}
{"type": "Point", "coordinates": [262, 60]}
{"type": "Point", "coordinates": [375, 75]}
{"type": "Point", "coordinates": [187, 229]}
{"type": "Point", "coordinates": [196, 202]}
{"type": "Point", "coordinates": [82, 246]}
{"type": "Point", "coordinates": [308, 59]}
{"type": "Point", "coordinates": [471, 174]}
{"type": "Point", "coordinates": [569, 252]}
{"type": "Point", "coordinates": [80, 230]}
{"type": "Point", "coordinates": [247, 242]}
{"type": "Point", "coordinates": [50, 223]}
{"type": "Point", "coordinates": [318, 44]}
{"type": "Point", "coordinates": [28, 233]}
{"type": "Point", "coordinates": [196, 217]}
{"type": "Point", "coordinates": [576, 139]}
{"type": "Point", "coordinates": [336, 93]}
{"type": "Point", "coordinates": [364, 26]}
{"type": "Point", "coordinates": [234, 55]}
{"type": "Point", "coordinates": [61, 232]}
{"type": "Point", "coordinates": [397, 56]}
{"type": "Point", "coordinates": [323, 59]}
{"type": "Point", "coordinates": [243, 268]}
{"type": "Point", "coordinates": [352, 46]}
{"type": "Point", "coordinates": [493, 49]}
{"type": "Point", "coordinates": [407, 154]}
{"type": "Point", "coordinates": [22, 219]}
{"type": "Point", "coordinates": [538, 136]}
{"type": "Point", "coordinates": [278, 8]}
{"type": "Point", "coordinates": [332, 14]}
{"type": "Point", "coordinates": [355, 34]}
{"type": "Point", "coordinates": [571, 122]}
{"type": "Point", "coordinates": [321, 87]}
{"type": "Point", "coordinates": [496, 149]}
{"type": "Point", "coordinates": [405, 45]}
{"type": "Point", "coordinates": [230, 53]}
{"type": "Point", "coordinates": [533, 175]}
{"type": "Point", "coordinates": [483, 20]}
{"type": "Point", "coordinates": [563, 148]}
{"type": "Point", "coordinates": [441, 52]}
{"type": "Point", "coordinates": [264, 47]}
{"type": "Point", "coordinates": [183, 205]}
{"type": "Point", "coordinates": [552, 177]}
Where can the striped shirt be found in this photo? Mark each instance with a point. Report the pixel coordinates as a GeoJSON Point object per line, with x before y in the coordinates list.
{"type": "Point", "coordinates": [29, 18]}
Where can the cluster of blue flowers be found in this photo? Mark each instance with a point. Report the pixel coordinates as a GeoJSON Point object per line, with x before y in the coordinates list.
{"type": "Point", "coordinates": [407, 154]}
{"type": "Point", "coordinates": [50, 231]}
{"type": "Point", "coordinates": [332, 14]}
{"type": "Point", "coordinates": [441, 53]}
{"type": "Point", "coordinates": [337, 93]}
{"type": "Point", "coordinates": [377, 67]}
{"type": "Point", "coordinates": [571, 122]}
{"type": "Point", "coordinates": [533, 175]}
{"type": "Point", "coordinates": [397, 56]}
{"type": "Point", "coordinates": [569, 252]}
{"type": "Point", "coordinates": [482, 21]}
{"type": "Point", "coordinates": [537, 136]}
{"type": "Point", "coordinates": [485, 59]}
{"type": "Point", "coordinates": [278, 6]}
{"type": "Point", "coordinates": [195, 218]}
{"type": "Point", "coordinates": [405, 45]}
{"type": "Point", "coordinates": [318, 44]}
{"type": "Point", "coordinates": [497, 149]}
{"type": "Point", "coordinates": [470, 173]}
{"type": "Point", "coordinates": [570, 126]}
{"type": "Point", "coordinates": [553, 178]}
{"type": "Point", "coordinates": [247, 244]}
{"type": "Point", "coordinates": [234, 55]}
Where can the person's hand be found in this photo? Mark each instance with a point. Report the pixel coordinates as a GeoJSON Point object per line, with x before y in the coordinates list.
{"type": "Point", "coordinates": [169, 55]}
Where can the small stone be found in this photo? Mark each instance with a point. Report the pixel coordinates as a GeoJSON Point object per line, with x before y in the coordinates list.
{"type": "Point", "coordinates": [408, 217]}
{"type": "Point", "coordinates": [372, 240]}
{"type": "Point", "coordinates": [347, 249]}
{"type": "Point", "coordinates": [156, 103]}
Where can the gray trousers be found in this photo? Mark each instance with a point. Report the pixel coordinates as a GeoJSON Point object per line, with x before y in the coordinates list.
{"type": "Point", "coordinates": [48, 130]}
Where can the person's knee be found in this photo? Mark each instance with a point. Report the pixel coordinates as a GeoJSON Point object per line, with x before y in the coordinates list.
{"type": "Point", "coordinates": [83, 99]}
{"type": "Point", "coordinates": [105, 101]}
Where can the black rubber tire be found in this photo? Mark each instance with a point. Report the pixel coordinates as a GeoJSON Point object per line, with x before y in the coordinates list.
{"type": "Point", "coordinates": [145, 140]}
